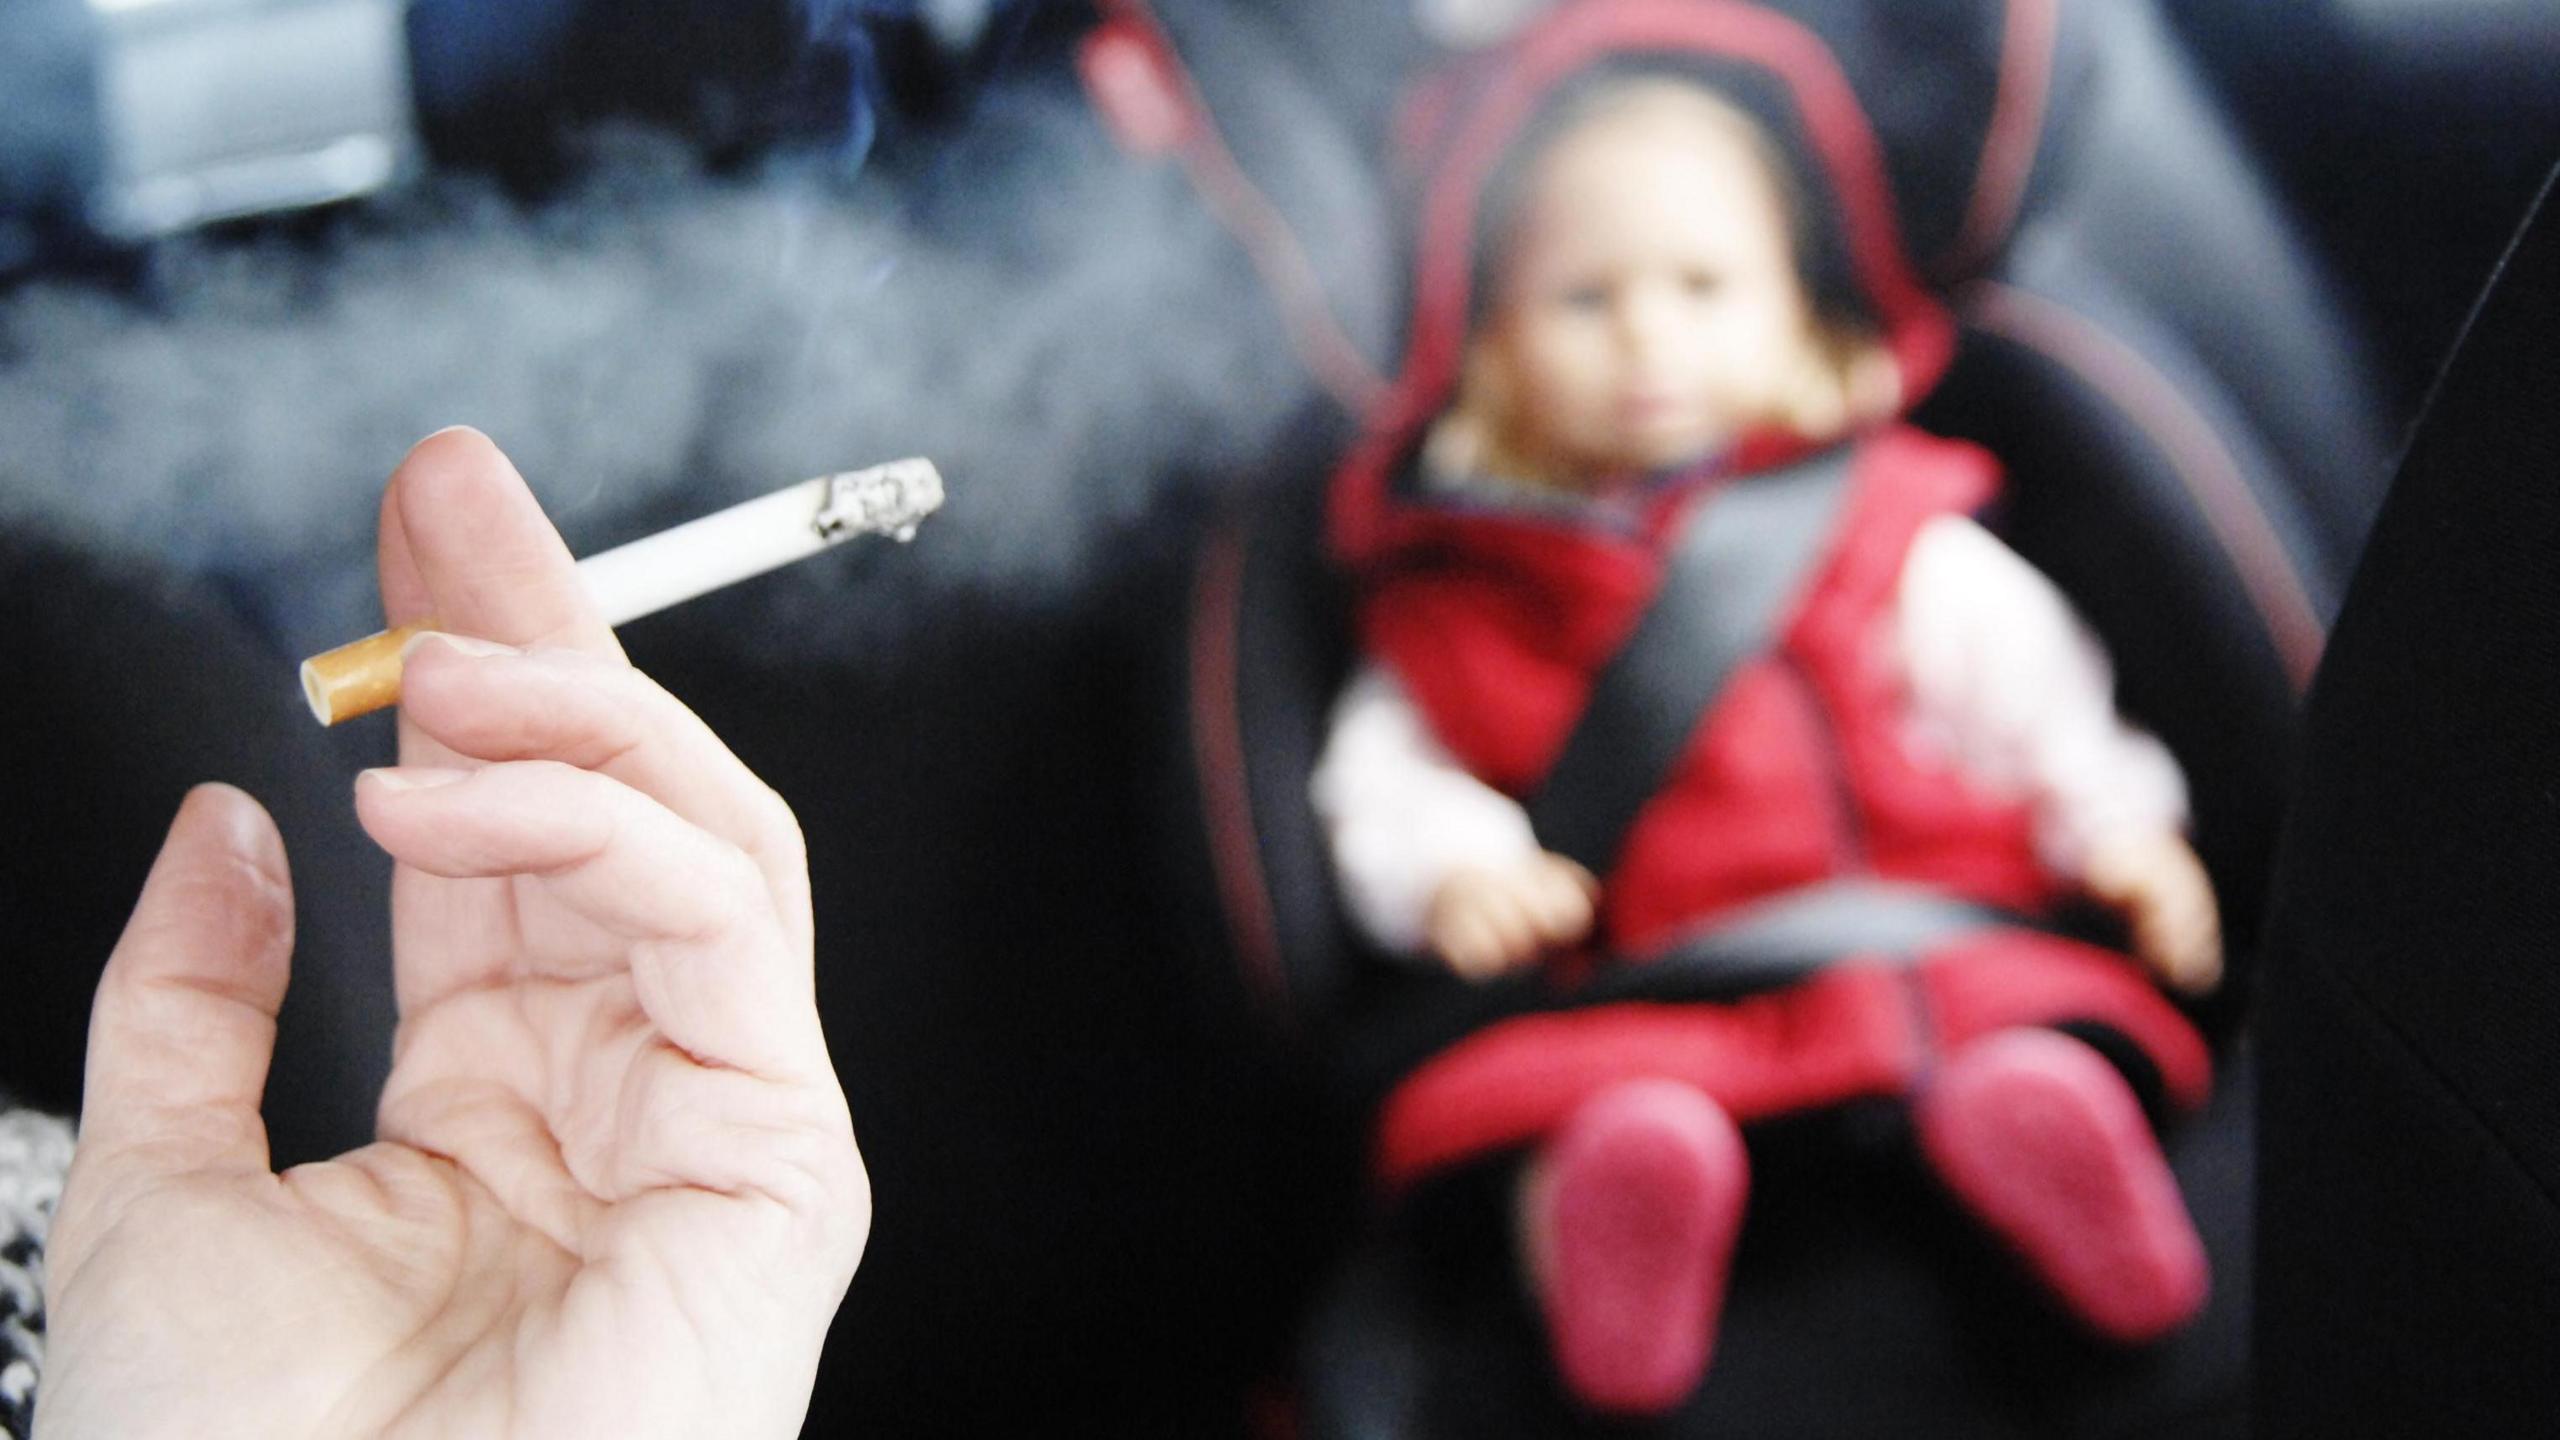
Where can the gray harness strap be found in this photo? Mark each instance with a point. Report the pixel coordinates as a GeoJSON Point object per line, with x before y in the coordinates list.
{"type": "Point", "coordinates": [1743, 556]}
{"type": "Point", "coordinates": [1789, 936]}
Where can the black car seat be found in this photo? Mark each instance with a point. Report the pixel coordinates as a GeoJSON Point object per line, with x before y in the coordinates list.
{"type": "Point", "coordinates": [2196, 483]}
{"type": "Point", "coordinates": [2411, 1125]}
{"type": "Point", "coordinates": [131, 682]}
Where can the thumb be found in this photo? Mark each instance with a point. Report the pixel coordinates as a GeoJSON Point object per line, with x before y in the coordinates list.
{"type": "Point", "coordinates": [185, 1018]}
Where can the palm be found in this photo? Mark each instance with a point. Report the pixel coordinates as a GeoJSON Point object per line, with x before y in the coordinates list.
{"type": "Point", "coordinates": [614, 1191]}
{"type": "Point", "coordinates": [320, 1303]}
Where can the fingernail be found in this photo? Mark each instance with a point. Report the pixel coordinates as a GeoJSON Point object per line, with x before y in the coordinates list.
{"type": "Point", "coordinates": [467, 644]}
{"type": "Point", "coordinates": [404, 778]}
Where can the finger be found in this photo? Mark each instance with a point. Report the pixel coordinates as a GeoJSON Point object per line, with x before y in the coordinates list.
{"type": "Point", "coordinates": [2185, 951]}
{"type": "Point", "coordinates": [2157, 941]}
{"type": "Point", "coordinates": [1464, 943]}
{"type": "Point", "coordinates": [1547, 899]}
{"type": "Point", "coordinates": [405, 600]}
{"type": "Point", "coordinates": [2183, 931]}
{"type": "Point", "coordinates": [2185, 969]}
{"type": "Point", "coordinates": [1562, 906]}
{"type": "Point", "coordinates": [1457, 944]}
{"type": "Point", "coordinates": [1582, 879]}
{"type": "Point", "coordinates": [2202, 977]}
{"type": "Point", "coordinates": [464, 542]}
{"type": "Point", "coordinates": [711, 962]}
{"type": "Point", "coordinates": [1515, 930]}
{"type": "Point", "coordinates": [495, 703]}
{"type": "Point", "coordinates": [185, 1019]}
{"type": "Point", "coordinates": [2202, 971]}
{"type": "Point", "coordinates": [724, 1131]}
{"type": "Point", "coordinates": [1478, 955]}
{"type": "Point", "coordinates": [2113, 873]}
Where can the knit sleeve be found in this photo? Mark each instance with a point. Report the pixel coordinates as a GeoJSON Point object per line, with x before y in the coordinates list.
{"type": "Point", "coordinates": [35, 1150]}
{"type": "Point", "coordinates": [2008, 679]}
{"type": "Point", "coordinates": [1401, 815]}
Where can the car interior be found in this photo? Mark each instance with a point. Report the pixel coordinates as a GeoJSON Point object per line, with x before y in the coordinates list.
{"type": "Point", "coordinates": [1112, 1049]}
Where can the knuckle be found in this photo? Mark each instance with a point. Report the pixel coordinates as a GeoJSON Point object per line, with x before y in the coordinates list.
{"type": "Point", "coordinates": [549, 774]}
{"type": "Point", "coordinates": [718, 903]}
{"type": "Point", "coordinates": [735, 904]}
{"type": "Point", "coordinates": [778, 825]}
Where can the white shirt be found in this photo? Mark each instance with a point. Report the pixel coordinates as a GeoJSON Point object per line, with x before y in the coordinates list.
{"type": "Point", "coordinates": [2002, 680]}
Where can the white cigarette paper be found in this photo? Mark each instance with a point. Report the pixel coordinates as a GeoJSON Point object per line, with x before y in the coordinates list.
{"type": "Point", "coordinates": [675, 565]}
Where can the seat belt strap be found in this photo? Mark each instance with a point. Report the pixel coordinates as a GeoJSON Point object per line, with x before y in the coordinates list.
{"type": "Point", "coordinates": [1742, 558]}
{"type": "Point", "coordinates": [1789, 936]}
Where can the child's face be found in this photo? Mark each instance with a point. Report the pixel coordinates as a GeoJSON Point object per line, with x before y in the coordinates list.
{"type": "Point", "coordinates": [1650, 310]}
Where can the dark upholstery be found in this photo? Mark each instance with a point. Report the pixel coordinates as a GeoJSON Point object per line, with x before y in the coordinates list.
{"type": "Point", "coordinates": [2412, 1111]}
{"type": "Point", "coordinates": [2179, 213]}
{"type": "Point", "coordinates": [128, 685]}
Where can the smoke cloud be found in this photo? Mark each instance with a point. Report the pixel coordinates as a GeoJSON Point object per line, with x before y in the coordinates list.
{"type": "Point", "coordinates": [1066, 333]}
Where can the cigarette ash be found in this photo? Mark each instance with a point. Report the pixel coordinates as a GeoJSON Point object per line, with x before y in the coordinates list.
{"type": "Point", "coordinates": [1066, 334]}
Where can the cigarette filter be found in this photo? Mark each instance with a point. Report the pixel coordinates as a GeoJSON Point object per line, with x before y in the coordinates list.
{"type": "Point", "coordinates": [670, 567]}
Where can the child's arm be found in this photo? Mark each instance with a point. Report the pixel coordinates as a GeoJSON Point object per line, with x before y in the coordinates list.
{"type": "Point", "coordinates": [2009, 684]}
{"type": "Point", "coordinates": [1432, 860]}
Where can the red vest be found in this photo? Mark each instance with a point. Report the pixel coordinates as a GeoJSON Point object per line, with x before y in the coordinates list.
{"type": "Point", "coordinates": [1497, 622]}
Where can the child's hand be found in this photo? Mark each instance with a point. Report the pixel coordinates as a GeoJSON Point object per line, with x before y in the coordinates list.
{"type": "Point", "coordinates": [2158, 884]}
{"type": "Point", "coordinates": [1489, 922]}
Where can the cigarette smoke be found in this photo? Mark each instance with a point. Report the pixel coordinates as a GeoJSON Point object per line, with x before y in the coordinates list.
{"type": "Point", "coordinates": [1066, 333]}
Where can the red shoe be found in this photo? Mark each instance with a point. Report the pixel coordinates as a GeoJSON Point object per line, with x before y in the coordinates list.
{"type": "Point", "coordinates": [2042, 1140]}
{"type": "Point", "coordinates": [1630, 1228]}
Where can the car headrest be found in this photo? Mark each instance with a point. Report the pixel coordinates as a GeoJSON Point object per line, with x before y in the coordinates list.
{"type": "Point", "coordinates": [1290, 119]}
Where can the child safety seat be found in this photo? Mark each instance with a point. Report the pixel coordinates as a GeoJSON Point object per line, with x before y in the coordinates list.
{"type": "Point", "coordinates": [2190, 455]}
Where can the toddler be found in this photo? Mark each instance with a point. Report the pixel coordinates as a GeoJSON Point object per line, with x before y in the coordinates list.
{"type": "Point", "coordinates": [1675, 363]}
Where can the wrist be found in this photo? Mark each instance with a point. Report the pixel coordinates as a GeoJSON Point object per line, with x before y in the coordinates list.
{"type": "Point", "coordinates": [2121, 862]}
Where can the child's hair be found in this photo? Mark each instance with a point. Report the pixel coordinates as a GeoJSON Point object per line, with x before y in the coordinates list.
{"type": "Point", "coordinates": [1857, 382]}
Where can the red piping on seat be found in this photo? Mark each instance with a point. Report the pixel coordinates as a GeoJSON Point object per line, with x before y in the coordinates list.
{"type": "Point", "coordinates": [1272, 247]}
{"type": "Point", "coordinates": [1218, 758]}
{"type": "Point", "coordinates": [2205, 466]}
{"type": "Point", "coordinates": [2030, 34]}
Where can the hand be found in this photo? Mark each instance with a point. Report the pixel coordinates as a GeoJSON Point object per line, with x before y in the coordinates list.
{"type": "Point", "coordinates": [2156, 882]}
{"type": "Point", "coordinates": [1487, 922]}
{"type": "Point", "coordinates": [615, 1189]}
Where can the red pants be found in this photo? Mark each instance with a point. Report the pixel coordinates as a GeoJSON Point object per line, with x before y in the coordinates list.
{"type": "Point", "coordinates": [1858, 1029]}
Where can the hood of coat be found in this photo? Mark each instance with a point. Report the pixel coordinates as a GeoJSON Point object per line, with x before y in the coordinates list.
{"type": "Point", "coordinates": [1463, 125]}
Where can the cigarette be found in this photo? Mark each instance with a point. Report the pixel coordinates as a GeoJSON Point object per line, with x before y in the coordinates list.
{"type": "Point", "coordinates": [668, 568]}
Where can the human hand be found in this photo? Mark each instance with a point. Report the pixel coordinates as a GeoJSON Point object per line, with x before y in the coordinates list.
{"type": "Point", "coordinates": [1485, 921]}
{"type": "Point", "coordinates": [2156, 882]}
{"type": "Point", "coordinates": [615, 1189]}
